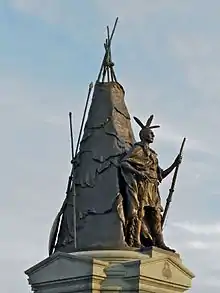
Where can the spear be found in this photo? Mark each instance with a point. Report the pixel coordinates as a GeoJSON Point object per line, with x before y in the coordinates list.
{"type": "Point", "coordinates": [70, 192]}
{"type": "Point", "coordinates": [173, 183]}
{"type": "Point", "coordinates": [72, 180]}
{"type": "Point", "coordinates": [68, 202]}
{"type": "Point", "coordinates": [83, 118]}
{"type": "Point", "coordinates": [71, 184]}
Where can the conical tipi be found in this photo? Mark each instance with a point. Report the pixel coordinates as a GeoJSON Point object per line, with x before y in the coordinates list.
{"type": "Point", "coordinates": [107, 136]}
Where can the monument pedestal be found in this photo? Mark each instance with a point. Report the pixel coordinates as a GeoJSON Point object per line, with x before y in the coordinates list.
{"type": "Point", "coordinates": [153, 270]}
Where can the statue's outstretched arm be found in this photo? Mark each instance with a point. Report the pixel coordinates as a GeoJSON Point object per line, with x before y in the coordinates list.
{"type": "Point", "coordinates": [167, 171]}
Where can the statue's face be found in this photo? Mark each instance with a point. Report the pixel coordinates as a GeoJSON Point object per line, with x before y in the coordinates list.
{"type": "Point", "coordinates": [147, 135]}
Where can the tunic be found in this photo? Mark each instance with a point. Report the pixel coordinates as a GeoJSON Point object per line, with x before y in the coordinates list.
{"type": "Point", "coordinates": [141, 192]}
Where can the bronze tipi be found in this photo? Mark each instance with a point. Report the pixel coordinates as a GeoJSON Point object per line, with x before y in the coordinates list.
{"type": "Point", "coordinates": [98, 204]}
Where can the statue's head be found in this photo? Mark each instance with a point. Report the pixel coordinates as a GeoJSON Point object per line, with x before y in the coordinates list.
{"type": "Point", "coordinates": [146, 134]}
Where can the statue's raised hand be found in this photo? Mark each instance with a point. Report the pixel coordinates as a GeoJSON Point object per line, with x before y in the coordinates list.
{"type": "Point", "coordinates": [178, 160]}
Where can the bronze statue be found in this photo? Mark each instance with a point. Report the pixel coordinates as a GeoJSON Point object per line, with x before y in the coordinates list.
{"type": "Point", "coordinates": [113, 181]}
{"type": "Point", "coordinates": [142, 175]}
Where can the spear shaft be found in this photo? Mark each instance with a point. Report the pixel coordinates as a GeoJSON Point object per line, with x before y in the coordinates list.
{"type": "Point", "coordinates": [83, 118]}
{"type": "Point", "coordinates": [71, 187]}
{"type": "Point", "coordinates": [171, 190]}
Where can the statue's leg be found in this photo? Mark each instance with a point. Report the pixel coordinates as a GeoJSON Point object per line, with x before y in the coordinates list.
{"type": "Point", "coordinates": [135, 231]}
{"type": "Point", "coordinates": [134, 219]}
{"type": "Point", "coordinates": [157, 230]}
{"type": "Point", "coordinates": [146, 237]}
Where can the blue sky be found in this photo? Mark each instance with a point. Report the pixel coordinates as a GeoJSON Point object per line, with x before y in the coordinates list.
{"type": "Point", "coordinates": [167, 58]}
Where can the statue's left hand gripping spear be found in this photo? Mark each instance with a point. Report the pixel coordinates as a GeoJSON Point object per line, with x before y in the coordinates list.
{"type": "Point", "coordinates": [71, 188]}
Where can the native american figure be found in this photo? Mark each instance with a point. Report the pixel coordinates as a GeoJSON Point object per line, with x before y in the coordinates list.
{"type": "Point", "coordinates": [141, 176]}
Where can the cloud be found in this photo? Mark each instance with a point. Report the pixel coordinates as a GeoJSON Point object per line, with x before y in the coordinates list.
{"type": "Point", "coordinates": [46, 8]}
{"type": "Point", "coordinates": [213, 282]}
{"type": "Point", "coordinates": [204, 229]}
{"type": "Point", "coordinates": [198, 54]}
{"type": "Point", "coordinates": [199, 245]}
{"type": "Point", "coordinates": [49, 10]}
{"type": "Point", "coordinates": [140, 8]}
{"type": "Point", "coordinates": [199, 250]}
{"type": "Point", "coordinates": [201, 59]}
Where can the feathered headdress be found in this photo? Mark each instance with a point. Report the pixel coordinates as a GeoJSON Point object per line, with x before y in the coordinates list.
{"type": "Point", "coordinates": [148, 123]}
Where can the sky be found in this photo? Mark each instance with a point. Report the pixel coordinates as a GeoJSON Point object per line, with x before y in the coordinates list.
{"type": "Point", "coordinates": [166, 56]}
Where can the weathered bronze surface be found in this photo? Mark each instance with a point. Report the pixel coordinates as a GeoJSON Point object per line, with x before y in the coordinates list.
{"type": "Point", "coordinates": [112, 199]}
{"type": "Point", "coordinates": [141, 176]}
